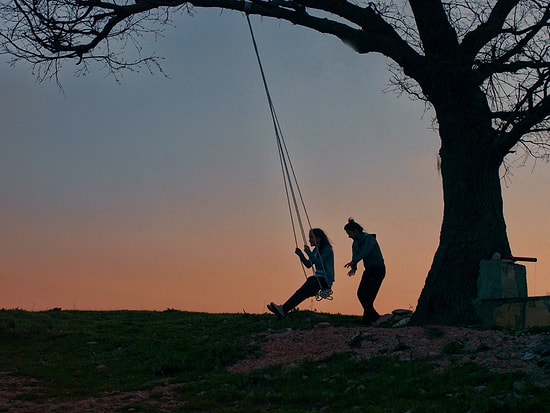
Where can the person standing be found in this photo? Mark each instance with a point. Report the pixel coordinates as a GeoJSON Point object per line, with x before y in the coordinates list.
{"type": "Point", "coordinates": [365, 247]}
{"type": "Point", "coordinates": [322, 258]}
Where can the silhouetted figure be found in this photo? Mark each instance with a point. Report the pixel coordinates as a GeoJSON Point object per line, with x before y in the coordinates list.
{"type": "Point", "coordinates": [322, 258]}
{"type": "Point", "coordinates": [365, 247]}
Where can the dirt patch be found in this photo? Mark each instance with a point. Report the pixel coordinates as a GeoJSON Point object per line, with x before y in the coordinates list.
{"type": "Point", "coordinates": [162, 398]}
{"type": "Point", "coordinates": [495, 350]}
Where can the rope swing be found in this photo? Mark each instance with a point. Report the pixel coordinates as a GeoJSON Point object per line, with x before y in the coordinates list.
{"type": "Point", "coordinates": [294, 198]}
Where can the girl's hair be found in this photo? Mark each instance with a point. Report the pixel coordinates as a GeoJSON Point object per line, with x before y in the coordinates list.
{"type": "Point", "coordinates": [323, 239]}
{"type": "Point", "coordinates": [352, 226]}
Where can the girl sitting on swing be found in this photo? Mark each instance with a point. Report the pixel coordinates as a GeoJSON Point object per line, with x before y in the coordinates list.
{"type": "Point", "coordinates": [322, 258]}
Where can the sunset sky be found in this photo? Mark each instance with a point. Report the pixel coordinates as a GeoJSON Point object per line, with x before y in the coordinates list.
{"type": "Point", "coordinates": [165, 192]}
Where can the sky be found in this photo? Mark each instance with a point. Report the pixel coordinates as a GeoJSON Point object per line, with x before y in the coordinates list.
{"type": "Point", "coordinates": [165, 192]}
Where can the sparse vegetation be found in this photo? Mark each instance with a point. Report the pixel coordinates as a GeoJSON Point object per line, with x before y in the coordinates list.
{"type": "Point", "coordinates": [77, 355]}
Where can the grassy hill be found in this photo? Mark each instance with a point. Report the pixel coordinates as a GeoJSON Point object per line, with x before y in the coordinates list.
{"type": "Point", "coordinates": [172, 361]}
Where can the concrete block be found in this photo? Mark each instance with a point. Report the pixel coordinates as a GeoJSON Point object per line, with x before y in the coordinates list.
{"type": "Point", "coordinates": [515, 313]}
{"type": "Point", "coordinates": [501, 279]}
{"type": "Point", "coordinates": [537, 312]}
{"type": "Point", "coordinates": [509, 315]}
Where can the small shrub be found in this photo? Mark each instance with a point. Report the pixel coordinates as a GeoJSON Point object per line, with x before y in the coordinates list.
{"type": "Point", "coordinates": [7, 323]}
{"type": "Point", "coordinates": [453, 347]}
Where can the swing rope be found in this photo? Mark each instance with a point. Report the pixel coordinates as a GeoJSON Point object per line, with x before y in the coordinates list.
{"type": "Point", "coordinates": [295, 200]}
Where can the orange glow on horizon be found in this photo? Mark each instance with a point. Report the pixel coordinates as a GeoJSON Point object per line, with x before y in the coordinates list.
{"type": "Point", "coordinates": [165, 192]}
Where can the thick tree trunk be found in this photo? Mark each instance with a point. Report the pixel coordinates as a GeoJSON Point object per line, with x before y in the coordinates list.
{"type": "Point", "coordinates": [473, 229]}
{"type": "Point", "coordinates": [473, 225]}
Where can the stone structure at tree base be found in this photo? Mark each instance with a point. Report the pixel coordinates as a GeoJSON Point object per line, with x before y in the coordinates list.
{"type": "Point", "coordinates": [502, 298]}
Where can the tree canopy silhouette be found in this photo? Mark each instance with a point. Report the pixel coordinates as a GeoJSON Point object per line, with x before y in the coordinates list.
{"type": "Point", "coordinates": [484, 68]}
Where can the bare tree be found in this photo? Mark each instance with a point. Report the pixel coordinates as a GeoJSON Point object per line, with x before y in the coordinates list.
{"type": "Point", "coordinates": [482, 65]}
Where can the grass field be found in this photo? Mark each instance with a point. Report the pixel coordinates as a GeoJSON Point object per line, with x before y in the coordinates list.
{"type": "Point", "coordinates": [177, 362]}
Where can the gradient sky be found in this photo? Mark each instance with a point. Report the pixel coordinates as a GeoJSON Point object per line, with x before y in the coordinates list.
{"type": "Point", "coordinates": [158, 193]}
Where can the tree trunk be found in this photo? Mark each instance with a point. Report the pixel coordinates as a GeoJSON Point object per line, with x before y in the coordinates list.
{"type": "Point", "coordinates": [473, 225]}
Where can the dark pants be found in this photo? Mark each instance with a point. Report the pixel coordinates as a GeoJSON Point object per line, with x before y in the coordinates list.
{"type": "Point", "coordinates": [308, 289]}
{"type": "Point", "coordinates": [368, 289]}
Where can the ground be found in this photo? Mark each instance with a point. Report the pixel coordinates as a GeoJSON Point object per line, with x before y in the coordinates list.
{"type": "Point", "coordinates": [498, 351]}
